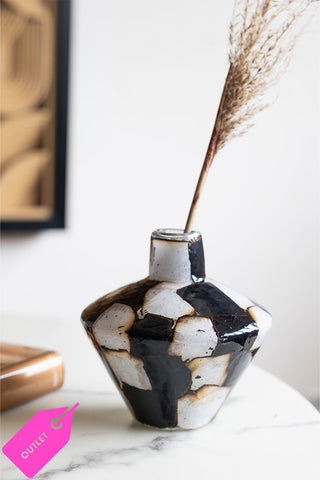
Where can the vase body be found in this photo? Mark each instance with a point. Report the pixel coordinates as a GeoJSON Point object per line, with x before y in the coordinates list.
{"type": "Point", "coordinates": [175, 342]}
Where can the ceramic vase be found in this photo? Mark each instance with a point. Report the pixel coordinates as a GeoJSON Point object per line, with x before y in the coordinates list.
{"type": "Point", "coordinates": [175, 342]}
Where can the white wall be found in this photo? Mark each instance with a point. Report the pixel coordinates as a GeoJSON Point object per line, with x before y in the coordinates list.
{"type": "Point", "coordinates": [145, 83]}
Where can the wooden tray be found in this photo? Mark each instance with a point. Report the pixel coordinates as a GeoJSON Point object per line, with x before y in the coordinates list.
{"type": "Point", "coordinates": [27, 373]}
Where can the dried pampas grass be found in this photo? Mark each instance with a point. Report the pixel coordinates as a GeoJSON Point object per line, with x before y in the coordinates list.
{"type": "Point", "coordinates": [262, 37]}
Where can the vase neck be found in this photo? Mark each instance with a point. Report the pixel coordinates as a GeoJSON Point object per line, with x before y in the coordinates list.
{"type": "Point", "coordinates": [176, 256]}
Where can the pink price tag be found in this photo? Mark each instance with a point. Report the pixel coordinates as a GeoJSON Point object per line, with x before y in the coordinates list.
{"type": "Point", "coordinates": [40, 439]}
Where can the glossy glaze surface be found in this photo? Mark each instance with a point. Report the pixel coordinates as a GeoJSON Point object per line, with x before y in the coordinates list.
{"type": "Point", "coordinates": [175, 348]}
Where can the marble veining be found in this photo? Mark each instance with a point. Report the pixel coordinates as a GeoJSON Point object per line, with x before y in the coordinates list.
{"type": "Point", "coordinates": [126, 457]}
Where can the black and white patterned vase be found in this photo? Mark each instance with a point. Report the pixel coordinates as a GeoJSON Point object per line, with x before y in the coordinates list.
{"type": "Point", "coordinates": [176, 342]}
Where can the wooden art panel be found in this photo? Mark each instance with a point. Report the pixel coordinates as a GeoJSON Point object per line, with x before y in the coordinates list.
{"type": "Point", "coordinates": [34, 92]}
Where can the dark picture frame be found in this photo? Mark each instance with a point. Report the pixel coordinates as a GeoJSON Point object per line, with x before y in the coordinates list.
{"type": "Point", "coordinates": [58, 217]}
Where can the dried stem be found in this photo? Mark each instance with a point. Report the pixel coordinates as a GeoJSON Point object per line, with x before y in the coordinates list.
{"type": "Point", "coordinates": [211, 151]}
{"type": "Point", "coordinates": [262, 37]}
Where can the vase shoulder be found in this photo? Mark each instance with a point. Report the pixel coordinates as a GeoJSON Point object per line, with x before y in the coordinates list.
{"type": "Point", "coordinates": [132, 294]}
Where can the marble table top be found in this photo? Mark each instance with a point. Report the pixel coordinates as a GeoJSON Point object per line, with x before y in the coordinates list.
{"type": "Point", "coordinates": [265, 430]}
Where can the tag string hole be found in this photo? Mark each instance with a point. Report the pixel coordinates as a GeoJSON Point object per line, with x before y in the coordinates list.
{"type": "Point", "coordinates": [56, 423]}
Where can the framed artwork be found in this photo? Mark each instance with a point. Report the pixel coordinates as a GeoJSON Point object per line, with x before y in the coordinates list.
{"type": "Point", "coordinates": [34, 100]}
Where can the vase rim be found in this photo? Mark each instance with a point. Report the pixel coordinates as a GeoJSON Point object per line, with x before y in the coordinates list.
{"type": "Point", "coordinates": [175, 235]}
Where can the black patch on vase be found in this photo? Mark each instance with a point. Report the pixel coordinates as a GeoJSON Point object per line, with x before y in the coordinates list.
{"type": "Point", "coordinates": [150, 336]}
{"type": "Point", "coordinates": [241, 330]}
{"type": "Point", "coordinates": [151, 407]}
{"type": "Point", "coordinates": [228, 347]}
{"type": "Point", "coordinates": [168, 374]}
{"type": "Point", "coordinates": [235, 328]}
{"type": "Point", "coordinates": [196, 257]}
{"type": "Point", "coordinates": [237, 365]}
{"type": "Point", "coordinates": [208, 300]}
